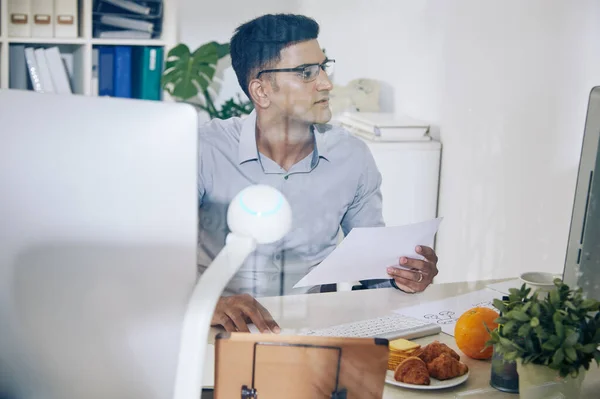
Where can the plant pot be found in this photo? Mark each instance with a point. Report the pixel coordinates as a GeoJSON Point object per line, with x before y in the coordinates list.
{"type": "Point", "coordinates": [541, 382]}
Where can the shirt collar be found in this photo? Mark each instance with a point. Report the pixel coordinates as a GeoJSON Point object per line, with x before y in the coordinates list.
{"type": "Point", "coordinates": [248, 149]}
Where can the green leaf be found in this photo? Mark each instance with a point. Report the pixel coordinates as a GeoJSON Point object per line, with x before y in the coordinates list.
{"type": "Point", "coordinates": [560, 329]}
{"type": "Point", "coordinates": [510, 356]}
{"type": "Point", "coordinates": [589, 304]}
{"type": "Point", "coordinates": [558, 357]}
{"type": "Point", "coordinates": [508, 327]}
{"type": "Point", "coordinates": [554, 297]}
{"type": "Point", "coordinates": [549, 346]}
{"type": "Point", "coordinates": [188, 74]}
{"type": "Point", "coordinates": [223, 50]}
{"type": "Point", "coordinates": [572, 337]}
{"type": "Point", "coordinates": [589, 348]}
{"type": "Point", "coordinates": [498, 304]}
{"type": "Point", "coordinates": [524, 330]}
{"type": "Point", "coordinates": [518, 315]}
{"type": "Point", "coordinates": [597, 357]}
{"type": "Point", "coordinates": [570, 305]}
{"type": "Point", "coordinates": [501, 320]}
{"type": "Point", "coordinates": [534, 322]}
{"type": "Point", "coordinates": [570, 354]}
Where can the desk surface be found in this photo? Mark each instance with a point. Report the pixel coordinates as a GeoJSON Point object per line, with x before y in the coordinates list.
{"type": "Point", "coordinates": [322, 310]}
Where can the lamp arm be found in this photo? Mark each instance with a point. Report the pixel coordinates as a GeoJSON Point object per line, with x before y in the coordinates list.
{"type": "Point", "coordinates": [198, 315]}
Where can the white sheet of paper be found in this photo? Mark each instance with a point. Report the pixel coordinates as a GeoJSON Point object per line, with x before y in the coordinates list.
{"type": "Point", "coordinates": [367, 252]}
{"type": "Point", "coordinates": [446, 312]}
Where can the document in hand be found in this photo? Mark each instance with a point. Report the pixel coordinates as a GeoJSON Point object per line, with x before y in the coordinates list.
{"type": "Point", "coordinates": [367, 252]}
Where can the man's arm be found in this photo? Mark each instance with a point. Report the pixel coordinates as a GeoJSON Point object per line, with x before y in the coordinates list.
{"type": "Point", "coordinates": [366, 208]}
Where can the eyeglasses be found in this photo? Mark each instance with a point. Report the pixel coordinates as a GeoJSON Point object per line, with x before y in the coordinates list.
{"type": "Point", "coordinates": [308, 72]}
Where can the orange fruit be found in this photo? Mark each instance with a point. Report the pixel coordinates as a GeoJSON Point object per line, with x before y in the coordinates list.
{"type": "Point", "coordinates": [470, 333]}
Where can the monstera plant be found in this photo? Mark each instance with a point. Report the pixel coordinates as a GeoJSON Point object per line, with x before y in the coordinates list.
{"type": "Point", "coordinates": [188, 76]}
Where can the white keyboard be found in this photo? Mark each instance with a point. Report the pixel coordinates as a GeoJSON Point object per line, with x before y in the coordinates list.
{"type": "Point", "coordinates": [390, 327]}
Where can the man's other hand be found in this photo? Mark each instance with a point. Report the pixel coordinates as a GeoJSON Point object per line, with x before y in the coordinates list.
{"type": "Point", "coordinates": [235, 312]}
{"type": "Point", "coordinates": [421, 274]}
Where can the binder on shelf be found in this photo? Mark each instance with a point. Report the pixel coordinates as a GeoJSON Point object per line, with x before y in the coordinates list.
{"type": "Point", "coordinates": [33, 70]}
{"type": "Point", "coordinates": [19, 18]}
{"type": "Point", "coordinates": [42, 18]}
{"type": "Point", "coordinates": [18, 67]}
{"type": "Point", "coordinates": [60, 79]}
{"type": "Point", "coordinates": [127, 23]}
{"type": "Point", "coordinates": [44, 71]}
{"type": "Point", "coordinates": [109, 32]}
{"type": "Point", "coordinates": [95, 68]}
{"type": "Point", "coordinates": [106, 65]}
{"type": "Point", "coordinates": [122, 71]}
{"type": "Point", "coordinates": [147, 70]}
{"type": "Point", "coordinates": [66, 18]}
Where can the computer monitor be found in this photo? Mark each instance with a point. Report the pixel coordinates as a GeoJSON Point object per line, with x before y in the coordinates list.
{"type": "Point", "coordinates": [98, 237]}
{"type": "Point", "coordinates": [582, 264]}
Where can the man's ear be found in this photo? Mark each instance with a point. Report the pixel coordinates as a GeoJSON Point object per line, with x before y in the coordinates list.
{"type": "Point", "coordinates": [258, 93]}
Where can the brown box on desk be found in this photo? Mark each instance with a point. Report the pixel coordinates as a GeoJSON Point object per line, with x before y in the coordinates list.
{"type": "Point", "coordinates": [269, 366]}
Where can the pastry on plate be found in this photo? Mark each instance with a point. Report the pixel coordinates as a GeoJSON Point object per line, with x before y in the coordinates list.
{"type": "Point", "coordinates": [412, 371]}
{"type": "Point", "coordinates": [445, 367]}
{"type": "Point", "coordinates": [434, 349]}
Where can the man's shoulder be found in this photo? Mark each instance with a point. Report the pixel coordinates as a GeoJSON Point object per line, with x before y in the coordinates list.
{"type": "Point", "coordinates": [338, 138]}
{"type": "Point", "coordinates": [221, 132]}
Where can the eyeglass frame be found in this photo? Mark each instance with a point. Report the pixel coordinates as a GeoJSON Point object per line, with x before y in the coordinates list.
{"type": "Point", "coordinates": [297, 69]}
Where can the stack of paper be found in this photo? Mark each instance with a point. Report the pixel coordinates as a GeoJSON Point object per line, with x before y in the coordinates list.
{"type": "Point", "coordinates": [380, 126]}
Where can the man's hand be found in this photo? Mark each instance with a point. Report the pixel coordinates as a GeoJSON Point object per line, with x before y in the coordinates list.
{"type": "Point", "coordinates": [234, 312]}
{"type": "Point", "coordinates": [422, 273]}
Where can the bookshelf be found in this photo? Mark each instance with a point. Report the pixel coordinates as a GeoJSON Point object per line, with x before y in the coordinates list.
{"type": "Point", "coordinates": [82, 47]}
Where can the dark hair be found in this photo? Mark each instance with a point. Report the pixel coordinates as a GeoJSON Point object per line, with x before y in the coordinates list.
{"type": "Point", "coordinates": [258, 43]}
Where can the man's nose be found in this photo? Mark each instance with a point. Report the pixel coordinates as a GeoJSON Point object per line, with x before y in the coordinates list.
{"type": "Point", "coordinates": [323, 81]}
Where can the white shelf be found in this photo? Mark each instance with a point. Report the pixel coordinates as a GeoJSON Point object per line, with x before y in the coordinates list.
{"type": "Point", "coordinates": [129, 42]}
{"type": "Point", "coordinates": [81, 47]}
{"type": "Point", "coordinates": [45, 40]}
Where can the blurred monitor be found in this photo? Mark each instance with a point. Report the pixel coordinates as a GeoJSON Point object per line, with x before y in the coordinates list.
{"type": "Point", "coordinates": [582, 265]}
{"type": "Point", "coordinates": [98, 244]}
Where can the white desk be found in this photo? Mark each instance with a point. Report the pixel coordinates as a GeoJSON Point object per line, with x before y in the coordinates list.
{"type": "Point", "coordinates": [322, 310]}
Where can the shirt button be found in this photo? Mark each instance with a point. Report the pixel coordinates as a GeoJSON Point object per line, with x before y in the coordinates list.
{"type": "Point", "coordinates": [286, 177]}
{"type": "Point", "coordinates": [277, 257]}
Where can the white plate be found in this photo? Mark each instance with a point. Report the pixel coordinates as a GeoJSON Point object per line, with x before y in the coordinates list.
{"type": "Point", "coordinates": [435, 384]}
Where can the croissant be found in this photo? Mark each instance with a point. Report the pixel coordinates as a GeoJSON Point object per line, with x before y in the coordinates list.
{"type": "Point", "coordinates": [436, 348]}
{"type": "Point", "coordinates": [445, 367]}
{"type": "Point", "coordinates": [412, 371]}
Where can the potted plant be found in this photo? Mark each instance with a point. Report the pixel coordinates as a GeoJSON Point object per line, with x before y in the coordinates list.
{"type": "Point", "coordinates": [188, 76]}
{"type": "Point", "coordinates": [553, 338]}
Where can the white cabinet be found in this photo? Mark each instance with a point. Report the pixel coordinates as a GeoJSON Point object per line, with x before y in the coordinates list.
{"type": "Point", "coordinates": [410, 179]}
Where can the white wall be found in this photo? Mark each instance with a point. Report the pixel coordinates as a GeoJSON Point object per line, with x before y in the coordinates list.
{"type": "Point", "coordinates": [505, 86]}
{"type": "Point", "coordinates": [201, 22]}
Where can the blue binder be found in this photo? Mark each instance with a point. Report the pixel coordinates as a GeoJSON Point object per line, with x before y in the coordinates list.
{"type": "Point", "coordinates": [106, 67]}
{"type": "Point", "coordinates": [122, 73]}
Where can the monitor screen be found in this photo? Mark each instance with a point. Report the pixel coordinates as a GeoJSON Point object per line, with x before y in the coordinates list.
{"type": "Point", "coordinates": [582, 264]}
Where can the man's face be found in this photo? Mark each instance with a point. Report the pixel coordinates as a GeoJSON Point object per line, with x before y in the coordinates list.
{"type": "Point", "coordinates": [291, 94]}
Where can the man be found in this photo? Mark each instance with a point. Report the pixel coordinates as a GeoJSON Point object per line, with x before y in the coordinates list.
{"type": "Point", "coordinates": [328, 176]}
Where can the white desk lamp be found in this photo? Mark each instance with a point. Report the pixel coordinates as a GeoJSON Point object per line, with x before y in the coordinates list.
{"type": "Point", "coordinates": [257, 215]}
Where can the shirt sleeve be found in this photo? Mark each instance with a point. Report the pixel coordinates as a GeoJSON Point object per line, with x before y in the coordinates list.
{"type": "Point", "coordinates": [366, 208]}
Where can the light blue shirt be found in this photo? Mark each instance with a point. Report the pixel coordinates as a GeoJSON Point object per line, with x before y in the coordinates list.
{"type": "Point", "coordinates": [338, 184]}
